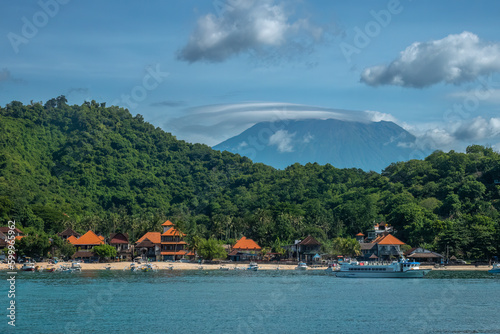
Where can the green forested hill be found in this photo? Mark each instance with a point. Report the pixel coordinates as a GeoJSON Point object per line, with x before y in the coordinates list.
{"type": "Point", "coordinates": [100, 168]}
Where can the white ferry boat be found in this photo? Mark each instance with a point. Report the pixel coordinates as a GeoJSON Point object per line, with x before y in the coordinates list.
{"type": "Point", "coordinates": [395, 269]}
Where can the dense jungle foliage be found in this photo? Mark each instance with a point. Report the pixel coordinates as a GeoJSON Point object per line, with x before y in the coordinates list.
{"type": "Point", "coordinates": [100, 168]}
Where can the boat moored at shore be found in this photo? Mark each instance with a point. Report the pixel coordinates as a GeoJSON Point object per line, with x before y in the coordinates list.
{"type": "Point", "coordinates": [395, 269]}
{"type": "Point", "coordinates": [495, 269]}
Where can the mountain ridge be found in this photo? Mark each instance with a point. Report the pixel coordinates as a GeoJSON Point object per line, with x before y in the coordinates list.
{"type": "Point", "coordinates": [343, 144]}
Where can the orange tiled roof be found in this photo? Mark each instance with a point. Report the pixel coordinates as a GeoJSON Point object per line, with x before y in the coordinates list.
{"type": "Point", "coordinates": [389, 239]}
{"type": "Point", "coordinates": [247, 244]}
{"type": "Point", "coordinates": [71, 239]}
{"type": "Point", "coordinates": [360, 234]}
{"type": "Point", "coordinates": [19, 237]}
{"type": "Point", "coordinates": [154, 237]}
{"type": "Point", "coordinates": [173, 232]}
{"type": "Point", "coordinates": [167, 223]}
{"type": "Point", "coordinates": [89, 238]}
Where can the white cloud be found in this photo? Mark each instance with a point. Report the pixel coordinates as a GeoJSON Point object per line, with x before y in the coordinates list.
{"type": "Point", "coordinates": [454, 59]}
{"type": "Point", "coordinates": [307, 138]}
{"type": "Point", "coordinates": [478, 129]}
{"type": "Point", "coordinates": [377, 116]}
{"type": "Point", "coordinates": [283, 140]}
{"type": "Point", "coordinates": [245, 26]}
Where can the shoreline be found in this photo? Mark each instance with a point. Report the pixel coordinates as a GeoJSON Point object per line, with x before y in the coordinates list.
{"type": "Point", "coordinates": [230, 266]}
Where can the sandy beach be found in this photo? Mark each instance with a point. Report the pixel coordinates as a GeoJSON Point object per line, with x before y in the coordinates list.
{"type": "Point", "coordinates": [230, 266]}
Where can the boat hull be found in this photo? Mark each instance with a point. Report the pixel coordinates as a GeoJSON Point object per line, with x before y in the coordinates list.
{"type": "Point", "coordinates": [407, 274]}
{"type": "Point", "coordinates": [494, 271]}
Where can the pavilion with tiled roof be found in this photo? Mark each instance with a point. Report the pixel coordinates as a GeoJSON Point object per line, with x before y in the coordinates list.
{"type": "Point", "coordinates": [244, 249]}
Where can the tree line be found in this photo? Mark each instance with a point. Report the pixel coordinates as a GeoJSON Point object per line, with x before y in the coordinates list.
{"type": "Point", "coordinates": [92, 167]}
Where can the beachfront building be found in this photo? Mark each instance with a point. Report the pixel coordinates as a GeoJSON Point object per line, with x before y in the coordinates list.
{"type": "Point", "coordinates": [68, 233]}
{"type": "Point", "coordinates": [84, 246]}
{"type": "Point", "coordinates": [424, 255]}
{"type": "Point", "coordinates": [384, 247]}
{"type": "Point", "coordinates": [245, 250]}
{"type": "Point", "coordinates": [304, 250]}
{"type": "Point", "coordinates": [173, 246]}
{"type": "Point", "coordinates": [120, 242]}
{"type": "Point", "coordinates": [149, 246]}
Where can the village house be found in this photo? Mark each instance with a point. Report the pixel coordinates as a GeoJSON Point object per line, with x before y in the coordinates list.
{"type": "Point", "coordinates": [304, 250]}
{"type": "Point", "coordinates": [84, 246]}
{"type": "Point", "coordinates": [149, 246]}
{"type": "Point", "coordinates": [244, 250]}
{"type": "Point", "coordinates": [120, 242]}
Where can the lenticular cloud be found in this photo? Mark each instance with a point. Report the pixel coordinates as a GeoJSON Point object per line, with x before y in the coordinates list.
{"type": "Point", "coordinates": [454, 59]}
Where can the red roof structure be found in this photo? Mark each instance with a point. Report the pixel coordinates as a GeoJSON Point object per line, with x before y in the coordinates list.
{"type": "Point", "coordinates": [89, 238]}
{"type": "Point", "coordinates": [388, 239]}
{"type": "Point", "coordinates": [118, 238]}
{"type": "Point", "coordinates": [71, 239]}
{"type": "Point", "coordinates": [246, 244]}
{"type": "Point", "coordinates": [154, 237]}
{"type": "Point", "coordinates": [360, 234]}
{"type": "Point", "coordinates": [167, 223]}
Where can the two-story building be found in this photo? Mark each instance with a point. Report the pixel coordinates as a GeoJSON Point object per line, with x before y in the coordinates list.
{"type": "Point", "coordinates": [149, 246]}
{"type": "Point", "coordinates": [84, 246]}
{"type": "Point", "coordinates": [120, 242]}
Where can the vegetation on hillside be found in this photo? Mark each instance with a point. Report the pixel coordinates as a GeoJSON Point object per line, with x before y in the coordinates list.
{"type": "Point", "coordinates": [100, 168]}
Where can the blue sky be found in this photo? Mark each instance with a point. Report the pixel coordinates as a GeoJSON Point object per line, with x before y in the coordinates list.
{"type": "Point", "coordinates": [207, 70]}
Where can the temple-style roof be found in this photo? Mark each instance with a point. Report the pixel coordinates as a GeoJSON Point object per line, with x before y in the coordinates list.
{"type": "Point", "coordinates": [69, 232]}
{"type": "Point", "coordinates": [246, 244]}
{"type": "Point", "coordinates": [89, 238]}
{"type": "Point", "coordinates": [71, 239]}
{"type": "Point", "coordinates": [154, 237]}
{"type": "Point", "coordinates": [360, 234]}
{"type": "Point", "coordinates": [388, 239]}
{"type": "Point", "coordinates": [309, 241]}
{"type": "Point", "coordinates": [118, 238]}
{"type": "Point", "coordinates": [146, 243]}
{"type": "Point", "coordinates": [171, 232]}
{"type": "Point", "coordinates": [167, 223]}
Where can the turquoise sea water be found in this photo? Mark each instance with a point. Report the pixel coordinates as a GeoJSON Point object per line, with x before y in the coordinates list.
{"type": "Point", "coordinates": [251, 302]}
